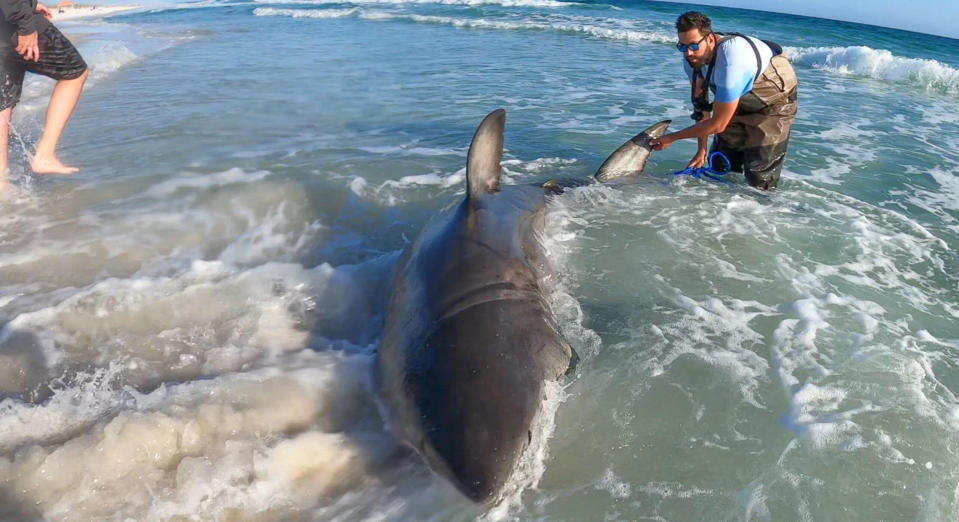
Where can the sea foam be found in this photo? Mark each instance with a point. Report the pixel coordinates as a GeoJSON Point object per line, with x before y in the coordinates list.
{"type": "Point", "coordinates": [879, 64]}
{"type": "Point", "coordinates": [610, 29]}
{"type": "Point", "coordinates": [861, 61]}
{"type": "Point", "coordinates": [504, 3]}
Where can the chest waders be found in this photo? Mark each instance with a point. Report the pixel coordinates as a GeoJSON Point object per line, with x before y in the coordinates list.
{"type": "Point", "coordinates": [756, 139]}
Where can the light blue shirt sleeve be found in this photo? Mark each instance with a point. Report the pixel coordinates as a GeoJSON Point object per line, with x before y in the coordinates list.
{"type": "Point", "coordinates": [735, 70]}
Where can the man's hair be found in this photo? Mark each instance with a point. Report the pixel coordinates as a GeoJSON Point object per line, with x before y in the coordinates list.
{"type": "Point", "coordinates": [694, 20]}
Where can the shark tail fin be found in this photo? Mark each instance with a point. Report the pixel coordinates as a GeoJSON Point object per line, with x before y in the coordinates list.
{"type": "Point", "coordinates": [486, 152]}
{"type": "Point", "coordinates": [630, 158]}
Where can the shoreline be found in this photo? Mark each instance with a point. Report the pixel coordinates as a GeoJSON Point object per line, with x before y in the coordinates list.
{"type": "Point", "coordinates": [84, 11]}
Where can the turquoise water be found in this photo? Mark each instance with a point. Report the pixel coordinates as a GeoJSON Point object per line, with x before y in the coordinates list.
{"type": "Point", "coordinates": [188, 325]}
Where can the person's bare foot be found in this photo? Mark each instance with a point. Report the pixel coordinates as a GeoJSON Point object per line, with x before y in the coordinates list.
{"type": "Point", "coordinates": [50, 165]}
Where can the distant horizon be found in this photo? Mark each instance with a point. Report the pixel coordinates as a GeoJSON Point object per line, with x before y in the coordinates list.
{"type": "Point", "coordinates": [931, 17]}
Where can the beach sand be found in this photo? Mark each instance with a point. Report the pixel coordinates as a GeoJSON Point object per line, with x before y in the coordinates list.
{"type": "Point", "coordinates": [87, 11]}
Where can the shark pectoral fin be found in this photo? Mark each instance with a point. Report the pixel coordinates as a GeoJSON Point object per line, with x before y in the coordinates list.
{"type": "Point", "coordinates": [573, 361]}
{"type": "Point", "coordinates": [485, 154]}
{"type": "Point", "coordinates": [630, 159]}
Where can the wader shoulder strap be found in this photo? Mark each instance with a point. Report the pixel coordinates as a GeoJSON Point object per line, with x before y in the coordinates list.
{"type": "Point", "coordinates": [697, 74]}
{"type": "Point", "coordinates": [702, 102]}
{"type": "Point", "coordinates": [777, 49]}
{"type": "Point", "coordinates": [759, 60]}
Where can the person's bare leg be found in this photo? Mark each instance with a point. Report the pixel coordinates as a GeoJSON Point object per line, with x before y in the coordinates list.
{"type": "Point", "coordinates": [62, 102]}
{"type": "Point", "coordinates": [5, 115]}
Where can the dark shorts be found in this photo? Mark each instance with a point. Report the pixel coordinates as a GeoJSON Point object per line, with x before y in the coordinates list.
{"type": "Point", "coordinates": [59, 60]}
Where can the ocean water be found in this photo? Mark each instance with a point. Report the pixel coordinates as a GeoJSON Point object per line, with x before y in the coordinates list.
{"type": "Point", "coordinates": [187, 327]}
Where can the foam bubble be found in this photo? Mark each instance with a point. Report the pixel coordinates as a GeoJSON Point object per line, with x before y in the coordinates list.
{"type": "Point", "coordinates": [947, 197]}
{"type": "Point", "coordinates": [411, 150]}
{"type": "Point", "coordinates": [213, 318]}
{"type": "Point", "coordinates": [809, 415]}
{"type": "Point", "coordinates": [674, 490]}
{"type": "Point", "coordinates": [617, 489]}
{"type": "Point", "coordinates": [305, 13]}
{"type": "Point", "coordinates": [833, 174]}
{"type": "Point", "coordinates": [456, 179]}
{"type": "Point", "coordinates": [753, 499]}
{"type": "Point", "coordinates": [393, 192]}
{"type": "Point", "coordinates": [266, 444]}
{"type": "Point", "coordinates": [249, 221]}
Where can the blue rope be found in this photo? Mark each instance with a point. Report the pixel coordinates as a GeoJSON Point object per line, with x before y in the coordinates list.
{"type": "Point", "coordinates": [708, 171]}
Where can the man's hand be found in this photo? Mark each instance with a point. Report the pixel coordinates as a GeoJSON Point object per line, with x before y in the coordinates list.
{"type": "Point", "coordinates": [28, 47]}
{"type": "Point", "coordinates": [698, 160]}
{"type": "Point", "coordinates": [45, 11]}
{"type": "Point", "coordinates": [661, 143]}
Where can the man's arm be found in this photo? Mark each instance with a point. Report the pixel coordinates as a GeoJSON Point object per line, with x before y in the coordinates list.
{"type": "Point", "coordinates": [45, 11]}
{"type": "Point", "coordinates": [715, 123]}
{"type": "Point", "coordinates": [20, 13]}
{"type": "Point", "coordinates": [700, 158]}
{"type": "Point", "coordinates": [701, 153]}
{"type": "Point", "coordinates": [28, 46]}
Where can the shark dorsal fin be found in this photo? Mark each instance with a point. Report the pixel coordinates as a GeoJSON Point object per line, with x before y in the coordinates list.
{"type": "Point", "coordinates": [486, 151]}
{"type": "Point", "coordinates": [630, 159]}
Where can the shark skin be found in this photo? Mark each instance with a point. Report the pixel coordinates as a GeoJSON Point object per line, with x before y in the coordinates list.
{"type": "Point", "coordinates": [469, 339]}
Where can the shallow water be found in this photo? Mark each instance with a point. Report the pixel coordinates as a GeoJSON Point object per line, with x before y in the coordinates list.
{"type": "Point", "coordinates": [188, 325]}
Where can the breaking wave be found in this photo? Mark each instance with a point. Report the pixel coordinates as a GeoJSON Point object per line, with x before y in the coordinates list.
{"type": "Point", "coordinates": [879, 64]}
{"type": "Point", "coordinates": [504, 3]}
{"type": "Point", "coordinates": [579, 25]}
{"type": "Point", "coordinates": [859, 61]}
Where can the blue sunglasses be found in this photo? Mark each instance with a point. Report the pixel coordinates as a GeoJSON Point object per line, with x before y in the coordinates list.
{"type": "Point", "coordinates": [695, 47]}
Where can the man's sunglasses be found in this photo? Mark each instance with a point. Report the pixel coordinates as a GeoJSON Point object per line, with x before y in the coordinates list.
{"type": "Point", "coordinates": [695, 47]}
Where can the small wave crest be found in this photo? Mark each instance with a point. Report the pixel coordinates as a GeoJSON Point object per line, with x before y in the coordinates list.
{"type": "Point", "coordinates": [879, 64]}
{"type": "Point", "coordinates": [105, 57]}
{"type": "Point", "coordinates": [579, 25]}
{"type": "Point", "coordinates": [504, 3]}
{"type": "Point", "coordinates": [305, 13]}
{"type": "Point", "coordinates": [861, 61]}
